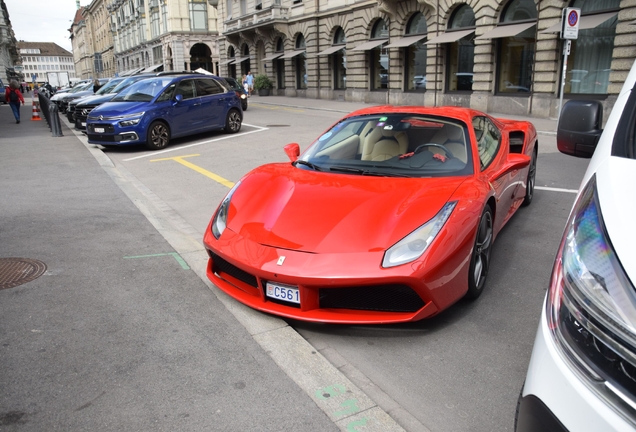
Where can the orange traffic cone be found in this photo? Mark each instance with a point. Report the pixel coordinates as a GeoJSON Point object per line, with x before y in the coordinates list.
{"type": "Point", "coordinates": [36, 111]}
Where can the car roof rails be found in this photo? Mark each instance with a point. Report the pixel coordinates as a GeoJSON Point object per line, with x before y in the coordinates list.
{"type": "Point", "coordinates": [176, 73]}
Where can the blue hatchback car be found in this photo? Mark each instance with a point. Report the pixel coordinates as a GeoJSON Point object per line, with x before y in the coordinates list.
{"type": "Point", "coordinates": [154, 110]}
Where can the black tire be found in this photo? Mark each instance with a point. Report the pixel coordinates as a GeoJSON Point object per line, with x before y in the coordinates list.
{"type": "Point", "coordinates": [233, 121]}
{"type": "Point", "coordinates": [480, 257]}
{"type": "Point", "coordinates": [244, 105]}
{"type": "Point", "coordinates": [530, 180]}
{"type": "Point", "coordinates": [158, 136]}
{"type": "Point", "coordinates": [70, 118]}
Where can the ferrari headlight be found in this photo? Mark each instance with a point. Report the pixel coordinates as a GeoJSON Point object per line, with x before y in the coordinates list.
{"type": "Point", "coordinates": [220, 218]}
{"type": "Point", "coordinates": [413, 245]}
{"type": "Point", "coordinates": [591, 305]}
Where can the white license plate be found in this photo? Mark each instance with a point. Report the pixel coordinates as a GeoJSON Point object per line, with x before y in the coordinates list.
{"type": "Point", "coordinates": [283, 292]}
{"type": "Point", "coordinates": [100, 130]}
{"type": "Point", "coordinates": [83, 123]}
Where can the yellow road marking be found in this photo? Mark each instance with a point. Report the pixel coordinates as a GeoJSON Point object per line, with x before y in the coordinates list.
{"type": "Point", "coordinates": [182, 161]}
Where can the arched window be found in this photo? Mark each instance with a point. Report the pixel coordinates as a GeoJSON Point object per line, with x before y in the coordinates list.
{"type": "Point", "coordinates": [415, 55]}
{"type": "Point", "coordinates": [379, 58]}
{"type": "Point", "coordinates": [590, 56]}
{"type": "Point", "coordinates": [245, 63]}
{"type": "Point", "coordinates": [339, 61]}
{"type": "Point", "coordinates": [461, 54]}
{"type": "Point", "coordinates": [301, 64]}
{"type": "Point", "coordinates": [516, 52]}
{"type": "Point", "coordinates": [279, 64]}
{"type": "Point", "coordinates": [232, 66]}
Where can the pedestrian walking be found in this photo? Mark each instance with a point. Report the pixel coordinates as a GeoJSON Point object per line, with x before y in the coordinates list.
{"type": "Point", "coordinates": [13, 95]}
{"type": "Point", "coordinates": [96, 85]}
{"type": "Point", "coordinates": [250, 83]}
{"type": "Point", "coordinates": [244, 84]}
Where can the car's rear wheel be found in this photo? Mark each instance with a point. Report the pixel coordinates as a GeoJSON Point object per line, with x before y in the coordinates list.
{"type": "Point", "coordinates": [233, 121]}
{"type": "Point", "coordinates": [532, 173]}
{"type": "Point", "coordinates": [158, 136]}
{"type": "Point", "coordinates": [480, 258]}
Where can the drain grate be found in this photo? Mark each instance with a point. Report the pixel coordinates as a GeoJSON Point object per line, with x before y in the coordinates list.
{"type": "Point", "coordinates": [18, 271]}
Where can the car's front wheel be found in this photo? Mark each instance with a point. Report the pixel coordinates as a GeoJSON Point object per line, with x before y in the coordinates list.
{"type": "Point", "coordinates": [233, 121]}
{"type": "Point", "coordinates": [480, 258]}
{"type": "Point", "coordinates": [158, 136]}
{"type": "Point", "coordinates": [244, 104]}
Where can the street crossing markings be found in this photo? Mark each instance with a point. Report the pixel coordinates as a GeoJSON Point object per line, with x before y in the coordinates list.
{"type": "Point", "coordinates": [182, 161]}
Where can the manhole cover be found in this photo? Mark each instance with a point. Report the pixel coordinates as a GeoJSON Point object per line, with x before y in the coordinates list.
{"type": "Point", "coordinates": [18, 271]}
{"type": "Point", "coordinates": [277, 126]}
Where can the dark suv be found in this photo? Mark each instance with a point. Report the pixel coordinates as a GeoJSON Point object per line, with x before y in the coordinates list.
{"type": "Point", "coordinates": [236, 86]}
{"type": "Point", "coordinates": [154, 110]}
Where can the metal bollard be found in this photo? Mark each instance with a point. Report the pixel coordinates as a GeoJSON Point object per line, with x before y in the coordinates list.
{"type": "Point", "coordinates": [56, 126]}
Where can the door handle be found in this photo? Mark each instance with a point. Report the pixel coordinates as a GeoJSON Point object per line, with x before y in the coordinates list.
{"type": "Point", "coordinates": [197, 104]}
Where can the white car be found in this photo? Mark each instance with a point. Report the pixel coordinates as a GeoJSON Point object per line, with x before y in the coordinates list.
{"type": "Point", "coordinates": [582, 373]}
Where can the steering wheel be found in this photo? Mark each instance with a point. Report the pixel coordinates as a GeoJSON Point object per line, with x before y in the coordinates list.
{"type": "Point", "coordinates": [420, 147]}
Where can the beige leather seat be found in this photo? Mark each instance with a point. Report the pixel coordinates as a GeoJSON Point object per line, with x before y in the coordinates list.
{"type": "Point", "coordinates": [451, 137]}
{"type": "Point", "coordinates": [382, 144]}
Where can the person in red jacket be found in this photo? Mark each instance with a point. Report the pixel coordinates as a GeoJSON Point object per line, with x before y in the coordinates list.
{"type": "Point", "coordinates": [14, 97]}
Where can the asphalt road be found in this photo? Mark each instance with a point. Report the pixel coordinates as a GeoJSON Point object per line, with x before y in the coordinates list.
{"type": "Point", "coordinates": [460, 371]}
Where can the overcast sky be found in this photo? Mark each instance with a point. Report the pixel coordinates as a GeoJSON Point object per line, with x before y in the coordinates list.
{"type": "Point", "coordinates": [43, 20]}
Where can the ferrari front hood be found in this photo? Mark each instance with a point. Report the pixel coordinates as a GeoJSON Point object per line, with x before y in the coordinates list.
{"type": "Point", "coordinates": [282, 206]}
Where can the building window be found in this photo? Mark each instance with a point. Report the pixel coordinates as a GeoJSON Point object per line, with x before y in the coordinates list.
{"type": "Point", "coordinates": [379, 58]}
{"type": "Point", "coordinates": [279, 64]}
{"type": "Point", "coordinates": [198, 15]}
{"type": "Point", "coordinates": [164, 16]}
{"type": "Point", "coordinates": [243, 4]}
{"type": "Point", "coordinates": [301, 64]}
{"type": "Point", "coordinates": [415, 55]}
{"type": "Point", "coordinates": [590, 59]}
{"type": "Point", "coordinates": [461, 54]}
{"type": "Point", "coordinates": [516, 53]}
{"type": "Point", "coordinates": [339, 59]}
{"type": "Point", "coordinates": [154, 23]}
{"type": "Point", "coordinates": [228, 7]}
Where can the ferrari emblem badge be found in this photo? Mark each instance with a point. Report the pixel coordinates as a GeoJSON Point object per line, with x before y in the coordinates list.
{"type": "Point", "coordinates": [281, 260]}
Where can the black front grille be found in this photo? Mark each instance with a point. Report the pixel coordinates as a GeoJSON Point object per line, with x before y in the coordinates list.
{"type": "Point", "coordinates": [107, 128]}
{"type": "Point", "coordinates": [83, 111]}
{"type": "Point", "coordinates": [103, 138]}
{"type": "Point", "coordinates": [219, 265]}
{"type": "Point", "coordinates": [385, 298]}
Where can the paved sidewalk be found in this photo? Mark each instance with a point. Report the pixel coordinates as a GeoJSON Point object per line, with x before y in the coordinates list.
{"type": "Point", "coordinates": [118, 334]}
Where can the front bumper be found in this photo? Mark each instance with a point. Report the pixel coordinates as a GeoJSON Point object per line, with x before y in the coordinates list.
{"type": "Point", "coordinates": [553, 383]}
{"type": "Point", "coordinates": [347, 288]}
{"type": "Point", "coordinates": [112, 134]}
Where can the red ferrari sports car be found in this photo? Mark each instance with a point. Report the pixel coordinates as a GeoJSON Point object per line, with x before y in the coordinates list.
{"type": "Point", "coordinates": [389, 216]}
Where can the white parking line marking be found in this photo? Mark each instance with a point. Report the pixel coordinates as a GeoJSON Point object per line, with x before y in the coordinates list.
{"type": "Point", "coordinates": [259, 129]}
{"type": "Point", "coordinates": [556, 189]}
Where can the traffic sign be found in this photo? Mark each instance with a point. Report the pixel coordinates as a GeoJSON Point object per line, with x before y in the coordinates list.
{"type": "Point", "coordinates": [571, 18]}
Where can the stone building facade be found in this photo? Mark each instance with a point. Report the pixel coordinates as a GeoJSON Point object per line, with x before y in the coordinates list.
{"type": "Point", "coordinates": [156, 35]}
{"type": "Point", "coordinates": [82, 50]}
{"type": "Point", "coordinates": [100, 39]}
{"type": "Point", "coordinates": [9, 55]}
{"type": "Point", "coordinates": [492, 55]}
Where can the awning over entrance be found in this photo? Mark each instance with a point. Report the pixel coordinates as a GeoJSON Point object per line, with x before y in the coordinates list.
{"type": "Point", "coordinates": [503, 31]}
{"type": "Point", "coordinates": [451, 36]}
{"type": "Point", "coordinates": [242, 59]}
{"type": "Point", "coordinates": [370, 45]}
{"type": "Point", "coordinates": [203, 71]}
{"type": "Point", "coordinates": [136, 71]}
{"type": "Point", "coordinates": [406, 41]}
{"type": "Point", "coordinates": [331, 50]}
{"type": "Point", "coordinates": [126, 73]}
{"type": "Point", "coordinates": [152, 68]}
{"type": "Point", "coordinates": [292, 54]}
{"type": "Point", "coordinates": [586, 22]}
{"type": "Point", "coordinates": [272, 57]}
{"type": "Point", "coordinates": [228, 61]}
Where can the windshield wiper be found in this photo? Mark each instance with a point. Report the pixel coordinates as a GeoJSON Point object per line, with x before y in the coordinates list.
{"type": "Point", "coordinates": [309, 164]}
{"type": "Point", "coordinates": [366, 172]}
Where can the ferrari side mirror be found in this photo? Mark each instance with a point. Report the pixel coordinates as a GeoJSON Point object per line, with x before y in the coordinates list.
{"type": "Point", "coordinates": [293, 151]}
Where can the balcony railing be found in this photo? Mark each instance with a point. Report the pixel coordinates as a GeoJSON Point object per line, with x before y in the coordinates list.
{"type": "Point", "coordinates": [266, 15]}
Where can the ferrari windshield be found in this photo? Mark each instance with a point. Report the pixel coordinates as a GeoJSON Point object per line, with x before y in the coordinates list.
{"type": "Point", "coordinates": [143, 91]}
{"type": "Point", "coordinates": [409, 145]}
